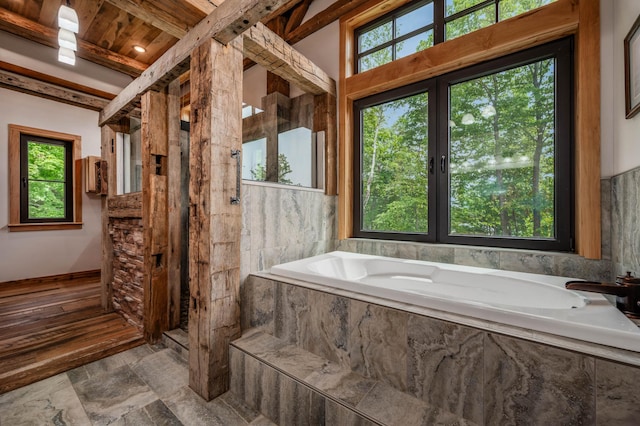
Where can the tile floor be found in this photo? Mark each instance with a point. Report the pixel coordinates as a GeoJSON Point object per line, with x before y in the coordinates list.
{"type": "Point", "coordinates": [147, 385]}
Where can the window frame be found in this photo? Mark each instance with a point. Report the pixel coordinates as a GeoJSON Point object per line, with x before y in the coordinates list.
{"type": "Point", "coordinates": [18, 221]}
{"type": "Point", "coordinates": [538, 26]}
{"type": "Point", "coordinates": [438, 147]}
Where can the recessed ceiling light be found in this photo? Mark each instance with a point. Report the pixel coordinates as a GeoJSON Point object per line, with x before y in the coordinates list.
{"type": "Point", "coordinates": [139, 49]}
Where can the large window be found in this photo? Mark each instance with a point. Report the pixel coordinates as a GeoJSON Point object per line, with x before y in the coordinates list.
{"type": "Point", "coordinates": [43, 193]}
{"type": "Point", "coordinates": [421, 24]}
{"type": "Point", "coordinates": [478, 156]}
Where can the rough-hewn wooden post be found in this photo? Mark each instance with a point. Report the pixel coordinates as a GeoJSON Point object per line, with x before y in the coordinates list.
{"type": "Point", "coordinates": [214, 223]}
{"type": "Point", "coordinates": [106, 275]}
{"type": "Point", "coordinates": [155, 148]}
{"type": "Point", "coordinates": [174, 204]}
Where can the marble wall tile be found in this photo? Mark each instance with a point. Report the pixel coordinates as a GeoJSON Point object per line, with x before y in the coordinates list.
{"type": "Point", "coordinates": [527, 262]}
{"type": "Point", "coordinates": [340, 383]}
{"type": "Point", "coordinates": [236, 373]}
{"type": "Point", "coordinates": [575, 266]}
{"type": "Point", "coordinates": [444, 366]}
{"type": "Point", "coordinates": [378, 343]}
{"type": "Point", "coordinates": [336, 414]}
{"type": "Point", "coordinates": [530, 383]}
{"type": "Point", "coordinates": [617, 397]}
{"type": "Point", "coordinates": [436, 253]}
{"type": "Point", "coordinates": [317, 322]}
{"type": "Point", "coordinates": [261, 388]}
{"type": "Point", "coordinates": [625, 228]}
{"type": "Point", "coordinates": [50, 401]}
{"type": "Point", "coordinates": [485, 258]}
{"type": "Point", "coordinates": [299, 405]}
{"type": "Point", "coordinates": [605, 201]}
{"type": "Point", "coordinates": [257, 303]}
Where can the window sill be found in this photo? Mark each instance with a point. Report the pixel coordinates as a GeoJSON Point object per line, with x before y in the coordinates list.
{"type": "Point", "coordinates": [26, 227]}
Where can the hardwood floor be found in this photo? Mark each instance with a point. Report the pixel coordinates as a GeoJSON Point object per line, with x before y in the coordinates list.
{"type": "Point", "coordinates": [54, 324]}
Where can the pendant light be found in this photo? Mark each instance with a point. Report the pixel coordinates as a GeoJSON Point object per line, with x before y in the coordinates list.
{"type": "Point", "coordinates": [69, 26]}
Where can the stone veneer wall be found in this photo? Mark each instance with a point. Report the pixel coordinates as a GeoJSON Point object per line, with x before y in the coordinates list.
{"type": "Point", "coordinates": [625, 223]}
{"type": "Point", "coordinates": [476, 375]}
{"type": "Point", "coordinates": [128, 268]}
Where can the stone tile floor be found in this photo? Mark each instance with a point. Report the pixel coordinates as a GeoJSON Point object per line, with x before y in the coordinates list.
{"type": "Point", "coordinates": [147, 385]}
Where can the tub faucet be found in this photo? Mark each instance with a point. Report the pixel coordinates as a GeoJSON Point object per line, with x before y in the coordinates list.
{"type": "Point", "coordinates": [626, 289]}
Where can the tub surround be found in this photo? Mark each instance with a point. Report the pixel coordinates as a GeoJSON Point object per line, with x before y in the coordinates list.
{"type": "Point", "coordinates": [625, 230]}
{"type": "Point", "coordinates": [479, 374]}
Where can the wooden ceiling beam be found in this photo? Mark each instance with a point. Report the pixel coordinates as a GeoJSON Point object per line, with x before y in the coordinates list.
{"type": "Point", "coordinates": [225, 23]}
{"type": "Point", "coordinates": [152, 15]}
{"type": "Point", "coordinates": [267, 49]}
{"type": "Point", "coordinates": [297, 15]}
{"type": "Point", "coordinates": [31, 30]}
{"type": "Point", "coordinates": [43, 89]}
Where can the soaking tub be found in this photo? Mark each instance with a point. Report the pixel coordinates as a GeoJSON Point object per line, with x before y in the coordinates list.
{"type": "Point", "coordinates": [530, 301]}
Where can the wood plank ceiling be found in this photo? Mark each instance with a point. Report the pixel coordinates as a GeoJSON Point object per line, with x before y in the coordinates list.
{"type": "Point", "coordinates": [109, 29]}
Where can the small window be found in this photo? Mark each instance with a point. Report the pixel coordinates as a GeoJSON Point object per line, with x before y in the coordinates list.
{"type": "Point", "coordinates": [42, 179]}
{"type": "Point", "coordinates": [421, 24]}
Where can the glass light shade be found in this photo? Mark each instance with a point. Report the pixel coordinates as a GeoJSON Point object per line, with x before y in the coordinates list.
{"type": "Point", "coordinates": [68, 19]}
{"type": "Point", "coordinates": [66, 56]}
{"type": "Point", "coordinates": [67, 39]}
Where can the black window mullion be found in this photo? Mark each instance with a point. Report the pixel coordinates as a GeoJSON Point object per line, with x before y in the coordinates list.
{"type": "Point", "coordinates": [468, 11]}
{"type": "Point", "coordinates": [438, 21]}
{"type": "Point", "coordinates": [442, 159]}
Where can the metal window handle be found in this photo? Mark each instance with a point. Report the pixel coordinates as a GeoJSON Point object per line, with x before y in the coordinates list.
{"type": "Point", "coordinates": [443, 163]}
{"type": "Point", "coordinates": [24, 182]}
{"type": "Point", "coordinates": [235, 153]}
{"type": "Point", "coordinates": [432, 162]}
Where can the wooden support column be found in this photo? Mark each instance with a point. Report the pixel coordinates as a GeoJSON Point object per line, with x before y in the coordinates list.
{"type": "Point", "coordinates": [214, 223]}
{"type": "Point", "coordinates": [275, 83]}
{"type": "Point", "coordinates": [324, 119]}
{"type": "Point", "coordinates": [155, 146]}
{"type": "Point", "coordinates": [107, 147]}
{"type": "Point", "coordinates": [174, 204]}
{"type": "Point", "coordinates": [276, 109]}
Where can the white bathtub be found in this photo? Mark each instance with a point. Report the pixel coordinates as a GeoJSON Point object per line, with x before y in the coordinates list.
{"type": "Point", "coordinates": [530, 301]}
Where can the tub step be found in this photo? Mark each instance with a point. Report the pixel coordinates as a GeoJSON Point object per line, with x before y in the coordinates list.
{"type": "Point", "coordinates": [292, 386]}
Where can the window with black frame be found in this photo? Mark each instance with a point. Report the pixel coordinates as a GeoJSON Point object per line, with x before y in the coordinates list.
{"type": "Point", "coordinates": [479, 156]}
{"type": "Point", "coordinates": [421, 24]}
{"type": "Point", "coordinates": [46, 173]}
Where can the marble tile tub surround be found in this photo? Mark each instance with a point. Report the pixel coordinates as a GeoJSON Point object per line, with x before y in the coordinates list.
{"type": "Point", "coordinates": [281, 223]}
{"type": "Point", "coordinates": [480, 375]}
{"type": "Point", "coordinates": [146, 385]}
{"type": "Point", "coordinates": [625, 226]}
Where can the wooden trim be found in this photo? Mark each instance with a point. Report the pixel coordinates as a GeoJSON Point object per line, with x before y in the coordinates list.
{"type": "Point", "coordinates": [14, 179]}
{"type": "Point", "coordinates": [174, 190]}
{"type": "Point", "coordinates": [545, 24]}
{"type": "Point", "coordinates": [45, 78]}
{"type": "Point", "coordinates": [125, 205]}
{"type": "Point", "coordinates": [587, 140]}
{"type": "Point", "coordinates": [92, 273]}
{"type": "Point", "coordinates": [28, 227]}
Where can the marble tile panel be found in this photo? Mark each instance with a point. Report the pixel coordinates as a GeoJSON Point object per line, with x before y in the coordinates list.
{"type": "Point", "coordinates": [389, 406]}
{"type": "Point", "coordinates": [484, 258]}
{"type": "Point", "coordinates": [299, 405]}
{"type": "Point", "coordinates": [257, 303]}
{"type": "Point", "coordinates": [49, 401]}
{"type": "Point", "coordinates": [293, 217]}
{"type": "Point", "coordinates": [265, 221]}
{"type": "Point", "coordinates": [316, 321]}
{"type": "Point", "coordinates": [435, 253]}
{"type": "Point", "coordinates": [245, 233]}
{"type": "Point", "coordinates": [605, 197]}
{"type": "Point", "coordinates": [154, 414]}
{"type": "Point", "coordinates": [110, 396]}
{"type": "Point", "coordinates": [261, 388]}
{"type": "Point", "coordinates": [578, 267]}
{"type": "Point", "coordinates": [378, 343]}
{"type": "Point", "coordinates": [340, 383]}
{"type": "Point", "coordinates": [337, 414]}
{"type": "Point", "coordinates": [239, 407]}
{"type": "Point", "coordinates": [534, 384]}
{"type": "Point", "coordinates": [444, 366]}
{"type": "Point", "coordinates": [236, 372]}
{"type": "Point", "coordinates": [192, 410]}
{"type": "Point", "coordinates": [521, 261]}
{"type": "Point", "coordinates": [617, 218]}
{"type": "Point", "coordinates": [617, 397]}
{"type": "Point", "coordinates": [165, 372]}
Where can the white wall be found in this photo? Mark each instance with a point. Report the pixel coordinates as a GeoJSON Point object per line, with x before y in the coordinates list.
{"type": "Point", "coordinates": [36, 254]}
{"type": "Point", "coordinates": [41, 253]}
{"type": "Point", "coordinates": [623, 152]}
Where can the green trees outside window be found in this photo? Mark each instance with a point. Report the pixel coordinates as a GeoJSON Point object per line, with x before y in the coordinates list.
{"type": "Point", "coordinates": [481, 155]}
{"type": "Point", "coordinates": [46, 193]}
